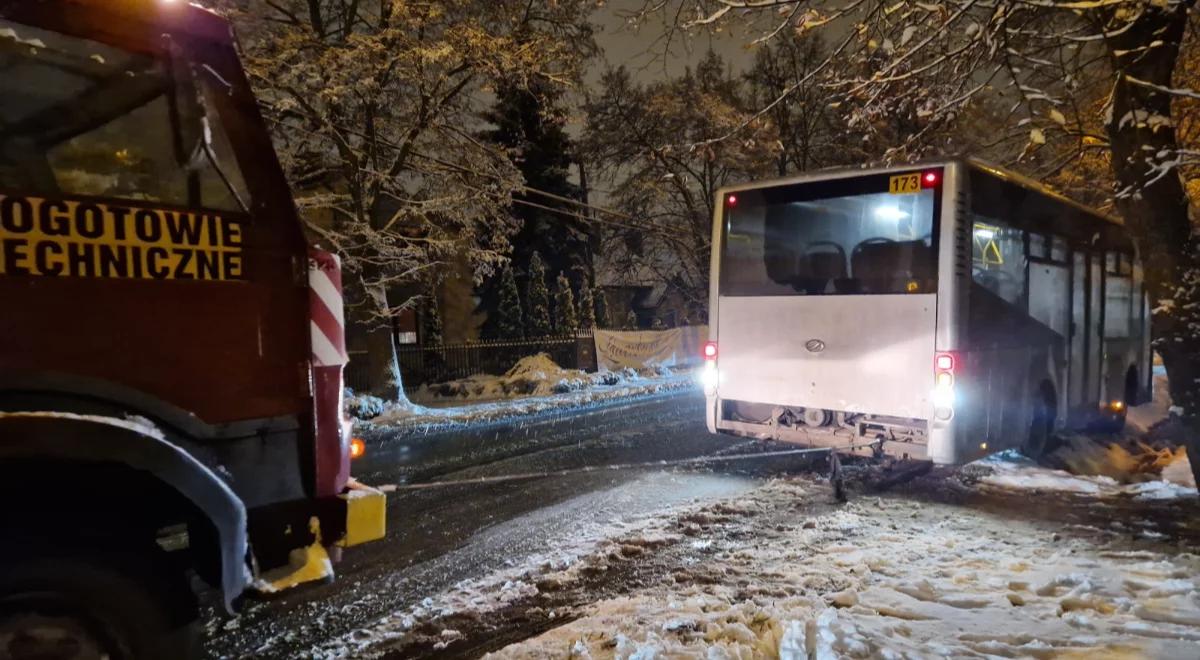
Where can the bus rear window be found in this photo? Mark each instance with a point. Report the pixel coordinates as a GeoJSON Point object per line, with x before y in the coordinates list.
{"type": "Point", "coordinates": [792, 241]}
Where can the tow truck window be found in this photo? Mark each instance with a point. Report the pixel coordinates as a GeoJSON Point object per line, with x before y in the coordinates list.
{"type": "Point", "coordinates": [78, 117]}
{"type": "Point", "coordinates": [875, 243]}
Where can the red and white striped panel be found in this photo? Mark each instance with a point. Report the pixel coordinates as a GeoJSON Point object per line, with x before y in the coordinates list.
{"type": "Point", "coordinates": [327, 319]}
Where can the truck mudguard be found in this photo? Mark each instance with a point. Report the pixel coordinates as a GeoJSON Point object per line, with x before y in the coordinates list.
{"type": "Point", "coordinates": [138, 444]}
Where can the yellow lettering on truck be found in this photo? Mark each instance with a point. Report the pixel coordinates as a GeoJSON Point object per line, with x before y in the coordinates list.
{"type": "Point", "coordinates": [79, 238]}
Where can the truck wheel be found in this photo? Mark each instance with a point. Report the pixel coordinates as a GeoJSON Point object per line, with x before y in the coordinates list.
{"type": "Point", "coordinates": [70, 609]}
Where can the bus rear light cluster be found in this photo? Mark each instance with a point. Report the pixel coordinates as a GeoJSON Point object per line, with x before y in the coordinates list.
{"type": "Point", "coordinates": [943, 386]}
{"type": "Point", "coordinates": [709, 375]}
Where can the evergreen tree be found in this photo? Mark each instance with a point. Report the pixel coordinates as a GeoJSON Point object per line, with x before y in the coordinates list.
{"type": "Point", "coordinates": [509, 324]}
{"type": "Point", "coordinates": [529, 119]}
{"type": "Point", "coordinates": [631, 321]}
{"type": "Point", "coordinates": [602, 320]}
{"type": "Point", "coordinates": [566, 320]}
{"type": "Point", "coordinates": [431, 320]}
{"type": "Point", "coordinates": [537, 299]}
{"type": "Point", "coordinates": [587, 307]}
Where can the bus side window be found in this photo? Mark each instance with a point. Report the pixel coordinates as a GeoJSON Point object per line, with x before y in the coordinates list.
{"type": "Point", "coordinates": [1058, 249]}
{"type": "Point", "coordinates": [1038, 246]}
{"type": "Point", "coordinates": [1119, 311]}
{"type": "Point", "coordinates": [998, 260]}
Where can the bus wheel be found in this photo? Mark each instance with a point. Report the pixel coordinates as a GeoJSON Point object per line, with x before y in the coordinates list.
{"type": "Point", "coordinates": [1041, 425]}
{"type": "Point", "coordinates": [817, 417]}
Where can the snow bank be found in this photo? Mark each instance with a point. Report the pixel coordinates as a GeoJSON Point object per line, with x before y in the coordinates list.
{"type": "Point", "coordinates": [1140, 419]}
{"type": "Point", "coordinates": [534, 375]}
{"type": "Point", "coordinates": [1010, 470]}
{"type": "Point", "coordinates": [534, 385]}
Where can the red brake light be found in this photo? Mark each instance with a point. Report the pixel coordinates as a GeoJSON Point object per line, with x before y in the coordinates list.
{"type": "Point", "coordinates": [930, 179]}
{"type": "Point", "coordinates": [944, 362]}
{"type": "Point", "coordinates": [731, 200]}
{"type": "Point", "coordinates": [710, 350]}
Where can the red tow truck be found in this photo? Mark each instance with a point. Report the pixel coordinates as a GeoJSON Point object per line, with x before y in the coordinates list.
{"type": "Point", "coordinates": [171, 348]}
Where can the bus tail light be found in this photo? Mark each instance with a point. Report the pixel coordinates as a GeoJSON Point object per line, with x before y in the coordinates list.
{"type": "Point", "coordinates": [930, 179]}
{"type": "Point", "coordinates": [709, 376]}
{"type": "Point", "coordinates": [943, 386]}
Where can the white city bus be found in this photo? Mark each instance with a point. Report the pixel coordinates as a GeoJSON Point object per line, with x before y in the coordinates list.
{"type": "Point", "coordinates": [939, 311]}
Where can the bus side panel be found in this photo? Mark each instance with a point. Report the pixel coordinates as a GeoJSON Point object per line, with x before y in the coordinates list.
{"type": "Point", "coordinates": [714, 283]}
{"type": "Point", "coordinates": [948, 443]}
{"type": "Point", "coordinates": [1003, 381]}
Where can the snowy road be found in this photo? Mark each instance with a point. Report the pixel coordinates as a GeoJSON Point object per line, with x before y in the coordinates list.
{"type": "Point", "coordinates": [727, 561]}
{"type": "Point", "coordinates": [439, 537]}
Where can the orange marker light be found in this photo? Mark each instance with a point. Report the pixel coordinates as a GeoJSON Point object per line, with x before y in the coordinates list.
{"type": "Point", "coordinates": [358, 448]}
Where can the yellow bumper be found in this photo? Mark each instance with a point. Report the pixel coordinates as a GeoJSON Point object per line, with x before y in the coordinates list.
{"type": "Point", "coordinates": [366, 516]}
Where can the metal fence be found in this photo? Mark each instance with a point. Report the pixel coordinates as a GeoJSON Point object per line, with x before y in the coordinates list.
{"type": "Point", "coordinates": [423, 365]}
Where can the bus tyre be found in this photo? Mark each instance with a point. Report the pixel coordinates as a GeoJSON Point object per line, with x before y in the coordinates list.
{"type": "Point", "coordinates": [68, 608]}
{"type": "Point", "coordinates": [1041, 425]}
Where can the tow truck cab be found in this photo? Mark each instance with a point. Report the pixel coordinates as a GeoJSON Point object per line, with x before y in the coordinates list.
{"type": "Point", "coordinates": [171, 355]}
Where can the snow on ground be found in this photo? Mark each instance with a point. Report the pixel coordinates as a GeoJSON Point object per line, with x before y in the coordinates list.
{"type": "Point", "coordinates": [1136, 465]}
{"type": "Point", "coordinates": [1140, 419]}
{"type": "Point", "coordinates": [534, 385]}
{"type": "Point", "coordinates": [1010, 470]}
{"type": "Point", "coordinates": [888, 578]}
{"type": "Point", "coordinates": [587, 548]}
{"type": "Point", "coordinates": [782, 572]}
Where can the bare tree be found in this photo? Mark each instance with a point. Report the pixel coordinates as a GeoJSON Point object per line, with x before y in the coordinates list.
{"type": "Point", "coordinates": [374, 107]}
{"type": "Point", "coordinates": [643, 140]}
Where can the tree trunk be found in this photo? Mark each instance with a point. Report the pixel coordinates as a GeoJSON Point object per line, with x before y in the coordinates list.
{"type": "Point", "coordinates": [384, 368]}
{"type": "Point", "coordinates": [1154, 205]}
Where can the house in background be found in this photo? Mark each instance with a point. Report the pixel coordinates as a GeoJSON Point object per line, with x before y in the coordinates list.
{"type": "Point", "coordinates": [653, 301]}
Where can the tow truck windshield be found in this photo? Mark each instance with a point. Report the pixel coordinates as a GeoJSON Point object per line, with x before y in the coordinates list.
{"type": "Point", "coordinates": [82, 118]}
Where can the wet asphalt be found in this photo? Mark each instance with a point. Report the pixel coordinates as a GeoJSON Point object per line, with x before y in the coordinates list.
{"type": "Point", "coordinates": [467, 528]}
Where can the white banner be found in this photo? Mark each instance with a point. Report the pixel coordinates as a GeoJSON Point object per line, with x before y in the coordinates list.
{"type": "Point", "coordinates": [617, 349]}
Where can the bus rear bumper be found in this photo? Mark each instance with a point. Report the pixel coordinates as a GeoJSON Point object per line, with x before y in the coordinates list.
{"type": "Point", "coordinates": [843, 440]}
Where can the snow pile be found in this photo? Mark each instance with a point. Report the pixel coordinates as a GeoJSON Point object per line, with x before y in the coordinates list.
{"type": "Point", "coordinates": [1141, 419]}
{"type": "Point", "coordinates": [567, 389]}
{"type": "Point", "coordinates": [1127, 461]}
{"type": "Point", "coordinates": [889, 578]}
{"type": "Point", "coordinates": [1010, 470]}
{"type": "Point", "coordinates": [534, 375]}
